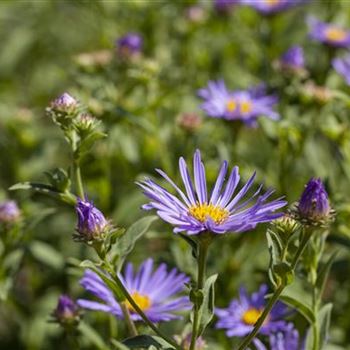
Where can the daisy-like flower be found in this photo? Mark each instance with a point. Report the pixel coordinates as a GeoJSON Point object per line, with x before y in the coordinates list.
{"type": "Point", "coordinates": [240, 317]}
{"type": "Point", "coordinates": [244, 105]}
{"type": "Point", "coordinates": [329, 34]}
{"type": "Point", "coordinates": [269, 7]}
{"type": "Point", "coordinates": [342, 66]}
{"type": "Point", "coordinates": [153, 291]}
{"type": "Point", "coordinates": [221, 212]}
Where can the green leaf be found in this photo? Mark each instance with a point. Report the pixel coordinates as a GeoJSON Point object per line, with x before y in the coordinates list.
{"type": "Point", "coordinates": [145, 341]}
{"type": "Point", "coordinates": [118, 345]}
{"type": "Point", "coordinates": [89, 141]}
{"type": "Point", "coordinates": [206, 310]}
{"type": "Point", "coordinates": [90, 334]}
{"type": "Point", "coordinates": [323, 274]}
{"type": "Point", "coordinates": [46, 254]}
{"type": "Point", "coordinates": [275, 249]}
{"type": "Point", "coordinates": [297, 299]}
{"type": "Point", "coordinates": [125, 243]}
{"type": "Point", "coordinates": [324, 321]}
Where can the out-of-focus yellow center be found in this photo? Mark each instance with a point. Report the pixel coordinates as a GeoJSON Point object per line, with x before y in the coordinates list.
{"type": "Point", "coordinates": [336, 34]}
{"type": "Point", "coordinates": [246, 107]}
{"type": "Point", "coordinates": [231, 105]}
{"type": "Point", "coordinates": [142, 301]}
{"type": "Point", "coordinates": [202, 212]}
{"type": "Point", "coordinates": [251, 316]}
{"type": "Point", "coordinates": [272, 2]}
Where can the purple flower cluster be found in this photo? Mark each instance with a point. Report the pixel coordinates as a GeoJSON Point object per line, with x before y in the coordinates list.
{"type": "Point", "coordinates": [342, 66]}
{"type": "Point", "coordinates": [153, 292]}
{"type": "Point", "coordinates": [329, 34]}
{"type": "Point", "coordinates": [240, 317]}
{"type": "Point", "coordinates": [221, 212]}
{"type": "Point", "coordinates": [243, 105]}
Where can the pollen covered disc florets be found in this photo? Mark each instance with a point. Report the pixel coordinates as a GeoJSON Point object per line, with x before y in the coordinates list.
{"type": "Point", "coordinates": [205, 211]}
{"type": "Point", "coordinates": [142, 301]}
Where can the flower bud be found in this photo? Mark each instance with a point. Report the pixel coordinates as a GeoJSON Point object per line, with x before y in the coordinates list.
{"type": "Point", "coordinates": [67, 312]}
{"type": "Point", "coordinates": [85, 124]}
{"type": "Point", "coordinates": [313, 204]}
{"type": "Point", "coordinates": [292, 61]}
{"type": "Point", "coordinates": [63, 109]}
{"type": "Point", "coordinates": [92, 225]}
{"type": "Point", "coordinates": [285, 225]}
{"type": "Point", "coordinates": [129, 46]}
{"type": "Point", "coordinates": [9, 212]}
{"type": "Point", "coordinates": [195, 14]}
{"type": "Point", "coordinates": [190, 122]}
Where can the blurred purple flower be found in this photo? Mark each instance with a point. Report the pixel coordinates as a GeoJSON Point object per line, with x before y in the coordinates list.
{"type": "Point", "coordinates": [268, 7]}
{"type": "Point", "coordinates": [342, 66]}
{"type": "Point", "coordinates": [220, 213]}
{"type": "Point", "coordinates": [327, 33]}
{"type": "Point", "coordinates": [153, 292]}
{"type": "Point", "coordinates": [293, 58]}
{"type": "Point", "coordinates": [9, 212]}
{"type": "Point", "coordinates": [244, 105]}
{"type": "Point", "coordinates": [224, 6]}
{"type": "Point", "coordinates": [91, 222]}
{"type": "Point", "coordinates": [313, 203]}
{"type": "Point", "coordinates": [130, 45]}
{"type": "Point", "coordinates": [286, 339]}
{"type": "Point", "coordinates": [240, 317]}
{"type": "Point", "coordinates": [67, 311]}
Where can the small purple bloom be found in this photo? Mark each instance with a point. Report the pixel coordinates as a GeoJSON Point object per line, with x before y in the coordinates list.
{"type": "Point", "coordinates": [286, 339]}
{"type": "Point", "coordinates": [64, 103]}
{"type": "Point", "coordinates": [240, 317]}
{"type": "Point", "coordinates": [244, 105]}
{"type": "Point", "coordinates": [224, 6]}
{"type": "Point", "coordinates": [9, 212]}
{"type": "Point", "coordinates": [130, 45]}
{"type": "Point", "coordinates": [221, 212]}
{"type": "Point", "coordinates": [91, 222]}
{"type": "Point", "coordinates": [313, 203]}
{"type": "Point", "coordinates": [268, 7]}
{"type": "Point", "coordinates": [67, 311]}
{"type": "Point", "coordinates": [329, 34]}
{"type": "Point", "coordinates": [342, 66]}
{"type": "Point", "coordinates": [293, 58]}
{"type": "Point", "coordinates": [153, 292]}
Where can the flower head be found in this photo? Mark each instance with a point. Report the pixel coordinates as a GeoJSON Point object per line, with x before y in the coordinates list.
{"type": "Point", "coordinates": [293, 58]}
{"type": "Point", "coordinates": [240, 317]}
{"type": "Point", "coordinates": [91, 222]}
{"type": "Point", "coordinates": [269, 7]}
{"type": "Point", "coordinates": [9, 212]}
{"type": "Point", "coordinates": [153, 291]}
{"type": "Point", "coordinates": [221, 212]}
{"type": "Point", "coordinates": [225, 6]}
{"type": "Point", "coordinates": [328, 34]}
{"type": "Point", "coordinates": [130, 45]}
{"type": "Point", "coordinates": [313, 204]}
{"type": "Point", "coordinates": [64, 103]}
{"type": "Point", "coordinates": [244, 105]}
{"type": "Point", "coordinates": [342, 66]}
{"type": "Point", "coordinates": [67, 312]}
{"type": "Point", "coordinates": [286, 339]}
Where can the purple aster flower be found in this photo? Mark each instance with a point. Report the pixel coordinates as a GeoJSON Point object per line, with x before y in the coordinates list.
{"type": "Point", "coordinates": [221, 212]}
{"type": "Point", "coordinates": [9, 212]}
{"type": "Point", "coordinates": [240, 317]}
{"type": "Point", "coordinates": [153, 291]}
{"type": "Point", "coordinates": [244, 105]}
{"type": "Point", "coordinates": [268, 7]}
{"type": "Point", "coordinates": [286, 339]}
{"type": "Point", "coordinates": [329, 34]}
{"type": "Point", "coordinates": [313, 204]}
{"type": "Point", "coordinates": [67, 311]}
{"type": "Point", "coordinates": [130, 45]}
{"type": "Point", "coordinates": [342, 66]}
{"type": "Point", "coordinates": [293, 58]}
{"type": "Point", "coordinates": [91, 222]}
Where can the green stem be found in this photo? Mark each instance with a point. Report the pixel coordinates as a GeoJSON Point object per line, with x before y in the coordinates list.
{"type": "Point", "coordinates": [73, 140]}
{"type": "Point", "coordinates": [142, 314]}
{"type": "Point", "coordinates": [315, 325]}
{"type": "Point", "coordinates": [303, 243]}
{"type": "Point", "coordinates": [129, 322]}
{"type": "Point", "coordinates": [202, 258]}
{"type": "Point", "coordinates": [262, 318]}
{"type": "Point", "coordinates": [78, 179]}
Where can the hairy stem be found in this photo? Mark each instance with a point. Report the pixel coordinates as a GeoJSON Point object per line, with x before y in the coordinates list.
{"type": "Point", "coordinates": [128, 320]}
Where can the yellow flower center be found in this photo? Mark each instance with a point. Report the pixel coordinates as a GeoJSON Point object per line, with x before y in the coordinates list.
{"type": "Point", "coordinates": [142, 301]}
{"type": "Point", "coordinates": [335, 34]}
{"type": "Point", "coordinates": [231, 105]}
{"type": "Point", "coordinates": [202, 212]}
{"type": "Point", "coordinates": [272, 2]}
{"type": "Point", "coordinates": [246, 107]}
{"type": "Point", "coordinates": [251, 316]}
